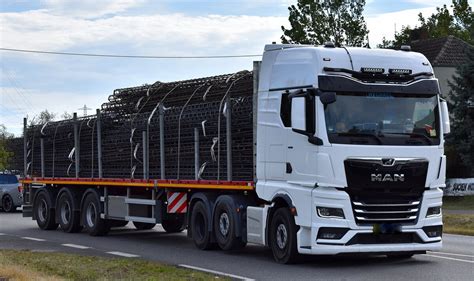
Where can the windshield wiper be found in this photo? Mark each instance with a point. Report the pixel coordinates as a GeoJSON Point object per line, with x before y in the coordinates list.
{"type": "Point", "coordinates": [415, 135]}
{"type": "Point", "coordinates": [376, 137]}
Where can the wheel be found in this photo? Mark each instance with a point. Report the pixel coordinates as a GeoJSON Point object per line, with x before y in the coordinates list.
{"type": "Point", "coordinates": [174, 224]}
{"type": "Point", "coordinates": [7, 204]}
{"type": "Point", "coordinates": [91, 220]}
{"type": "Point", "coordinates": [117, 223]}
{"type": "Point", "coordinates": [400, 256]}
{"type": "Point", "coordinates": [143, 225]}
{"type": "Point", "coordinates": [200, 227]}
{"type": "Point", "coordinates": [44, 212]}
{"type": "Point", "coordinates": [68, 217]}
{"type": "Point", "coordinates": [225, 226]}
{"type": "Point", "coordinates": [283, 237]}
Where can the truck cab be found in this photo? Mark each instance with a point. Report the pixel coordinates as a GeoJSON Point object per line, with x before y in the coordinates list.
{"type": "Point", "coordinates": [351, 141]}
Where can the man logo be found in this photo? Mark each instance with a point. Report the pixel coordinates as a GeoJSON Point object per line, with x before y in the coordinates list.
{"type": "Point", "coordinates": [387, 177]}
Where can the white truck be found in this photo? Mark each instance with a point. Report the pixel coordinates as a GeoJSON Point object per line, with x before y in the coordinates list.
{"type": "Point", "coordinates": [349, 158]}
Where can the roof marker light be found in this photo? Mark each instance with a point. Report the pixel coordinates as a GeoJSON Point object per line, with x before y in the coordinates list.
{"type": "Point", "coordinates": [405, 48]}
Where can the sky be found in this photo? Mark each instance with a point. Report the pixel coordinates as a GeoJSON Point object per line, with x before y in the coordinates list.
{"type": "Point", "coordinates": [30, 83]}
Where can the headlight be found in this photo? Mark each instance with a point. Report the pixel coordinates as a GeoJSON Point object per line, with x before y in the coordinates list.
{"type": "Point", "coordinates": [433, 212]}
{"type": "Point", "coordinates": [326, 212]}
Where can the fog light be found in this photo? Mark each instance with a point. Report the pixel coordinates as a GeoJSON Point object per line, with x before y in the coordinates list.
{"type": "Point", "coordinates": [433, 231]}
{"type": "Point", "coordinates": [433, 212]}
{"type": "Point", "coordinates": [325, 212]}
{"type": "Point", "coordinates": [331, 232]}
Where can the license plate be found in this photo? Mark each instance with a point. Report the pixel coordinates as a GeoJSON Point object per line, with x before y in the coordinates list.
{"type": "Point", "coordinates": [386, 228]}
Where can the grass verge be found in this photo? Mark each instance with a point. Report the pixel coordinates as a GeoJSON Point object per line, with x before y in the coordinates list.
{"type": "Point", "coordinates": [458, 224]}
{"type": "Point", "coordinates": [458, 203]}
{"type": "Point", "coordinates": [28, 265]}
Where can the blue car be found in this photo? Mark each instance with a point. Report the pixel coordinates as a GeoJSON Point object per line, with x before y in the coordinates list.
{"type": "Point", "coordinates": [10, 193]}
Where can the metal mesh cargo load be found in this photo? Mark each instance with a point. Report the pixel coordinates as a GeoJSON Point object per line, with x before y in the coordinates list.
{"type": "Point", "coordinates": [193, 111]}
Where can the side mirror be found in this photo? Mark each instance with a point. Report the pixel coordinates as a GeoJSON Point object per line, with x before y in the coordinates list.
{"type": "Point", "coordinates": [445, 117]}
{"type": "Point", "coordinates": [298, 113]}
{"type": "Point", "coordinates": [327, 97]}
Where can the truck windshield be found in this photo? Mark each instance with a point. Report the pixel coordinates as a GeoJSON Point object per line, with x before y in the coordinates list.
{"type": "Point", "coordinates": [383, 119]}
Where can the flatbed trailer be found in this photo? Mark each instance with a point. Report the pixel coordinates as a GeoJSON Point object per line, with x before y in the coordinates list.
{"type": "Point", "coordinates": [323, 150]}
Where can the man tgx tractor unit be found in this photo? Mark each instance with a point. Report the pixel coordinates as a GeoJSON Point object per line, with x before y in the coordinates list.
{"type": "Point", "coordinates": [318, 150]}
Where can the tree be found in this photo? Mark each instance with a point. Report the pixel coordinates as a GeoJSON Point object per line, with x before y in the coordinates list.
{"type": "Point", "coordinates": [4, 153]}
{"type": "Point", "coordinates": [461, 96]}
{"type": "Point", "coordinates": [440, 24]}
{"type": "Point", "coordinates": [66, 115]}
{"type": "Point", "coordinates": [42, 118]}
{"type": "Point", "coordinates": [315, 22]}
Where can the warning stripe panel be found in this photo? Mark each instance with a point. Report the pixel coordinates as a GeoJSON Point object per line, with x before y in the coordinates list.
{"type": "Point", "coordinates": [177, 202]}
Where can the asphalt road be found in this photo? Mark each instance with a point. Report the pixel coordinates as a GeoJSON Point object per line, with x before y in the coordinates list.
{"type": "Point", "coordinates": [455, 262]}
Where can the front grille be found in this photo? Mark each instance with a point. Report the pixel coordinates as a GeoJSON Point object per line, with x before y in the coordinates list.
{"type": "Point", "coordinates": [377, 201]}
{"type": "Point", "coordinates": [401, 212]}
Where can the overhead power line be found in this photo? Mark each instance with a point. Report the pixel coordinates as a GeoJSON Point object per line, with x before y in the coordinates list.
{"type": "Point", "coordinates": [127, 56]}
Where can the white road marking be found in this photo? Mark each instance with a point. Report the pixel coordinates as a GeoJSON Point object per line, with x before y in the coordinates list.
{"type": "Point", "coordinates": [448, 258]}
{"type": "Point", "coordinates": [2, 234]}
{"type": "Point", "coordinates": [452, 254]}
{"type": "Point", "coordinates": [75, 246]}
{"type": "Point", "coordinates": [122, 254]}
{"type": "Point", "coordinates": [33, 239]}
{"type": "Point", "coordinates": [216, 272]}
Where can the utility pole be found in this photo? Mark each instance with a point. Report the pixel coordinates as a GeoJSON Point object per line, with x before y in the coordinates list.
{"type": "Point", "coordinates": [84, 110]}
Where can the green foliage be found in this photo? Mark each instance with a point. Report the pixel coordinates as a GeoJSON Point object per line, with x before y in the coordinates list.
{"type": "Point", "coordinates": [4, 153]}
{"type": "Point", "coordinates": [315, 22]}
{"type": "Point", "coordinates": [440, 24]}
{"type": "Point", "coordinates": [461, 98]}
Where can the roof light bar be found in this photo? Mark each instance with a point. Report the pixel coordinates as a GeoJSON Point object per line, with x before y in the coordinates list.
{"type": "Point", "coordinates": [372, 70]}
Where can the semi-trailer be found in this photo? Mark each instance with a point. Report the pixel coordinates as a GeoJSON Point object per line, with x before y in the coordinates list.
{"type": "Point", "coordinates": [318, 150]}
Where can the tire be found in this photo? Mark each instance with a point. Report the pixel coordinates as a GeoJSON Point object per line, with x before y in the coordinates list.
{"type": "Point", "coordinates": [283, 237]}
{"type": "Point", "coordinates": [225, 226]}
{"type": "Point", "coordinates": [174, 224]}
{"type": "Point", "coordinates": [117, 223]}
{"type": "Point", "coordinates": [68, 217]}
{"type": "Point", "coordinates": [44, 211]}
{"type": "Point", "coordinates": [143, 225]}
{"type": "Point", "coordinates": [7, 204]}
{"type": "Point", "coordinates": [200, 227]}
{"type": "Point", "coordinates": [91, 220]}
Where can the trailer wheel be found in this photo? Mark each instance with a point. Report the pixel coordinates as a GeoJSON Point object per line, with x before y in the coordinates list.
{"type": "Point", "coordinates": [143, 225]}
{"type": "Point", "coordinates": [174, 224]}
{"type": "Point", "coordinates": [225, 227]}
{"type": "Point", "coordinates": [7, 204]}
{"type": "Point", "coordinates": [44, 212]}
{"type": "Point", "coordinates": [93, 223]}
{"type": "Point", "coordinates": [283, 237]}
{"type": "Point", "coordinates": [68, 216]}
{"type": "Point", "coordinates": [200, 227]}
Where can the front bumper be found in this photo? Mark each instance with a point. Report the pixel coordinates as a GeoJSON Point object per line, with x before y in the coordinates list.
{"type": "Point", "coordinates": [418, 241]}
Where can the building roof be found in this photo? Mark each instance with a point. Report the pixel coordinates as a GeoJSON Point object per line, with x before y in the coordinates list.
{"type": "Point", "coordinates": [445, 51]}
